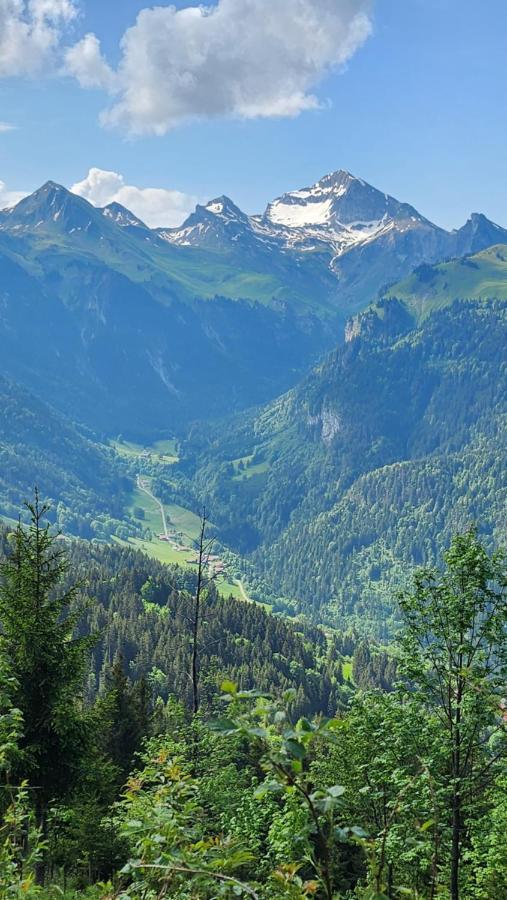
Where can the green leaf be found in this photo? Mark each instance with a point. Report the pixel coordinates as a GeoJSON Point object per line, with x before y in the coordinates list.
{"type": "Point", "coordinates": [358, 832]}
{"type": "Point", "coordinates": [336, 791]}
{"type": "Point", "coordinates": [305, 725]}
{"type": "Point", "coordinates": [341, 834]}
{"type": "Point", "coordinates": [223, 726]}
{"type": "Point", "coordinates": [257, 732]}
{"type": "Point", "coordinates": [251, 695]}
{"type": "Point", "coordinates": [295, 748]}
{"type": "Point", "coordinates": [289, 695]}
{"type": "Point", "coordinates": [267, 787]}
{"type": "Point", "coordinates": [228, 687]}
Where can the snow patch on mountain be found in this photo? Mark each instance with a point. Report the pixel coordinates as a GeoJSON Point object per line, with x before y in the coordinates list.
{"type": "Point", "coordinates": [297, 215]}
{"type": "Point", "coordinates": [337, 214]}
{"type": "Point", "coordinates": [122, 216]}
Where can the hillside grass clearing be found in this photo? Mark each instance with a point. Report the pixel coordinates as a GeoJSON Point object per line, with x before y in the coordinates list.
{"type": "Point", "coordinates": [185, 523]}
{"type": "Point", "coordinates": [482, 276]}
{"type": "Point", "coordinates": [163, 451]}
{"type": "Point", "coordinates": [245, 467]}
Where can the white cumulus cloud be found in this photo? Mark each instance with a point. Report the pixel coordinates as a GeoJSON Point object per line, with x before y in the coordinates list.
{"type": "Point", "coordinates": [9, 198]}
{"type": "Point", "coordinates": [31, 32]}
{"type": "Point", "coordinates": [85, 62]}
{"type": "Point", "coordinates": [241, 58]}
{"type": "Point", "coordinates": [157, 207]}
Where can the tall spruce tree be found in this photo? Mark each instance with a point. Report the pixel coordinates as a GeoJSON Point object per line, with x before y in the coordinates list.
{"type": "Point", "coordinates": [46, 660]}
{"type": "Point", "coordinates": [126, 709]}
{"type": "Point", "coordinates": [454, 655]}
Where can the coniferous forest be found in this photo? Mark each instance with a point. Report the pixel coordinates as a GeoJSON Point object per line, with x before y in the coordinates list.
{"type": "Point", "coordinates": [157, 740]}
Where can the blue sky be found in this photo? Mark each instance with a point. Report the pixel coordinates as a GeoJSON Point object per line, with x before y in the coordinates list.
{"type": "Point", "coordinates": [418, 111]}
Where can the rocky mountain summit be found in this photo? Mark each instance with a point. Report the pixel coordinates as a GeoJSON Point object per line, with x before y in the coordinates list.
{"type": "Point", "coordinates": [362, 236]}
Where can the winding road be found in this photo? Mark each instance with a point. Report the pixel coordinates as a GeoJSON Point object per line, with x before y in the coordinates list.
{"type": "Point", "coordinates": [142, 485]}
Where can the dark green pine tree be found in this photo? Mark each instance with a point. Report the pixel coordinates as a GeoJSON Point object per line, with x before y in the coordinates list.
{"type": "Point", "coordinates": [47, 661]}
{"type": "Point", "coordinates": [128, 717]}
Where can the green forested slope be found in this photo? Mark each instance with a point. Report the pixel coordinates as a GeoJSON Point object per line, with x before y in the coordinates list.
{"type": "Point", "coordinates": [396, 440]}
{"type": "Point", "coordinates": [129, 790]}
{"type": "Point", "coordinates": [334, 490]}
{"type": "Point", "coordinates": [142, 611]}
{"type": "Point", "coordinates": [38, 445]}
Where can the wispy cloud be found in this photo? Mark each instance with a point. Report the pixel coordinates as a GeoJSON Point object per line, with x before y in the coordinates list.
{"type": "Point", "coordinates": [7, 126]}
{"type": "Point", "coordinates": [239, 58]}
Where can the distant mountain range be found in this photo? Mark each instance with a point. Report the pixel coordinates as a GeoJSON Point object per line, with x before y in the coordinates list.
{"type": "Point", "coordinates": [121, 330]}
{"type": "Point", "coordinates": [142, 330]}
{"type": "Point", "coordinates": [362, 236]}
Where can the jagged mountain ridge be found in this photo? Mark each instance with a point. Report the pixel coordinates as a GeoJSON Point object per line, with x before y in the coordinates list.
{"type": "Point", "coordinates": [340, 210]}
{"type": "Point", "coordinates": [122, 331]}
{"type": "Point", "coordinates": [52, 207]}
{"type": "Point", "coordinates": [132, 328]}
{"type": "Point", "coordinates": [363, 236]}
{"type": "Point", "coordinates": [352, 238]}
{"type": "Point", "coordinates": [52, 215]}
{"type": "Point", "coordinates": [478, 234]}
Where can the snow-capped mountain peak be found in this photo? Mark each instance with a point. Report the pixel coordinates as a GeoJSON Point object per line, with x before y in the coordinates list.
{"type": "Point", "coordinates": [337, 201]}
{"type": "Point", "coordinates": [51, 206]}
{"type": "Point", "coordinates": [213, 225]}
{"type": "Point", "coordinates": [224, 208]}
{"type": "Point", "coordinates": [310, 206]}
{"type": "Point", "coordinates": [340, 233]}
{"type": "Point", "coordinates": [122, 216]}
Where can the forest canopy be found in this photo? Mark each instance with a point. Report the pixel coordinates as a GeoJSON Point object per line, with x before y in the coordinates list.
{"type": "Point", "coordinates": [316, 764]}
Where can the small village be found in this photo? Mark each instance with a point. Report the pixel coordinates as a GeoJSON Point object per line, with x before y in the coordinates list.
{"type": "Point", "coordinates": [178, 540]}
{"type": "Point", "coordinates": [213, 563]}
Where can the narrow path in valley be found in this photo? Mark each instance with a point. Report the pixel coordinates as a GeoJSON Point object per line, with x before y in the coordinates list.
{"type": "Point", "coordinates": [142, 485]}
{"type": "Point", "coordinates": [244, 595]}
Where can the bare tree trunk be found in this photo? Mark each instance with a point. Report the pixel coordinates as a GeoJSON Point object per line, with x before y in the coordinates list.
{"type": "Point", "coordinates": [456, 793]}
{"type": "Point", "coordinates": [197, 615]}
{"type": "Point", "coordinates": [390, 881]}
{"type": "Point", "coordinates": [456, 844]}
{"type": "Point", "coordinates": [41, 823]}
